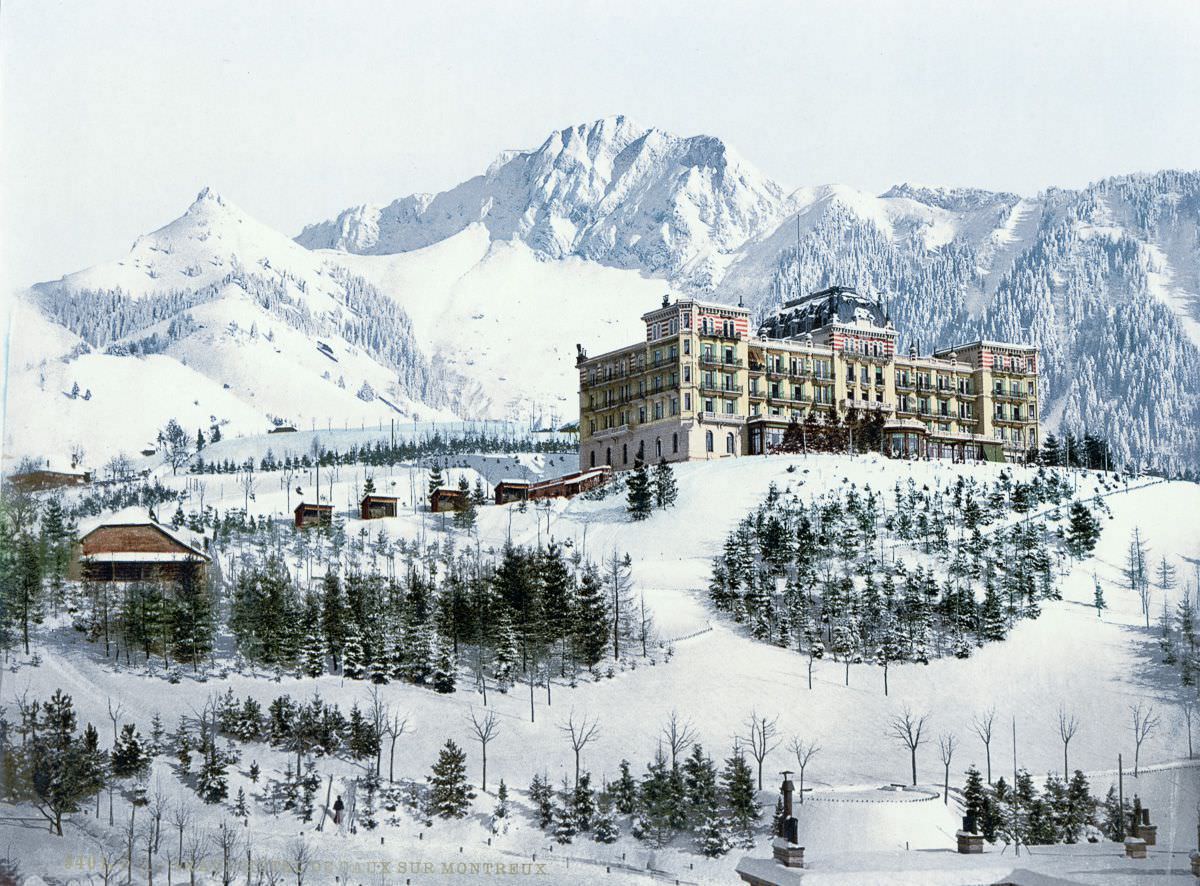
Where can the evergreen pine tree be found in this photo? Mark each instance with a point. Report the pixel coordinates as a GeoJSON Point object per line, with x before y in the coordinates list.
{"type": "Point", "coordinates": [712, 837]}
{"type": "Point", "coordinates": [435, 479]}
{"type": "Point", "coordinates": [449, 793]}
{"type": "Point", "coordinates": [738, 785]}
{"type": "Point", "coordinates": [590, 619]}
{"type": "Point", "coordinates": [542, 797]}
{"type": "Point", "coordinates": [604, 828]}
{"type": "Point", "coordinates": [353, 660]}
{"type": "Point", "coordinates": [583, 802]}
{"type": "Point", "coordinates": [665, 490]}
{"type": "Point", "coordinates": [445, 670]}
{"type": "Point", "coordinates": [660, 805]}
{"type": "Point", "coordinates": [640, 497]}
{"type": "Point", "coordinates": [501, 800]}
{"type": "Point", "coordinates": [1098, 597]}
{"type": "Point", "coordinates": [506, 655]}
{"type": "Point", "coordinates": [624, 791]}
{"type": "Point", "coordinates": [240, 809]}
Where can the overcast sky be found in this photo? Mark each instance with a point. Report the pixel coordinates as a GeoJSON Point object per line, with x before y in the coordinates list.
{"type": "Point", "coordinates": [115, 114]}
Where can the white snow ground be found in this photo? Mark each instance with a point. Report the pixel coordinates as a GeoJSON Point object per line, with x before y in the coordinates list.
{"type": "Point", "coordinates": [1094, 666]}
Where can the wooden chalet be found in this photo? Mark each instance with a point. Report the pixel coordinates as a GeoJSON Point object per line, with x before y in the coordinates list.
{"type": "Point", "coordinates": [570, 484]}
{"type": "Point", "coordinates": [376, 506]}
{"type": "Point", "coordinates": [446, 498]}
{"type": "Point", "coordinates": [282, 429]}
{"type": "Point", "coordinates": [310, 514]}
{"type": "Point", "coordinates": [129, 546]}
{"type": "Point", "coordinates": [512, 490]}
{"type": "Point", "coordinates": [43, 480]}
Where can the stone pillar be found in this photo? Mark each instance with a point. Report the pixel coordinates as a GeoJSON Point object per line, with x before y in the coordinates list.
{"type": "Point", "coordinates": [969, 841]}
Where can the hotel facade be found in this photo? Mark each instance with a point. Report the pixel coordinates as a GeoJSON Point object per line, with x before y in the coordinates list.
{"type": "Point", "coordinates": [702, 386]}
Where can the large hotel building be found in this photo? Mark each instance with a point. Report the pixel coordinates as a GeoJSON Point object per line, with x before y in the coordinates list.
{"type": "Point", "coordinates": [701, 386]}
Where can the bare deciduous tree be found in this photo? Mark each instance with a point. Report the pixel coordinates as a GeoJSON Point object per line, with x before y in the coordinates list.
{"type": "Point", "coordinates": [946, 745]}
{"type": "Point", "coordinates": [804, 752]}
{"type": "Point", "coordinates": [762, 739]}
{"type": "Point", "coordinates": [485, 730]}
{"type": "Point", "coordinates": [300, 858]}
{"type": "Point", "coordinates": [907, 728]}
{"type": "Point", "coordinates": [108, 861]}
{"type": "Point", "coordinates": [580, 736]}
{"type": "Point", "coordinates": [1068, 725]}
{"type": "Point", "coordinates": [395, 728]}
{"type": "Point", "coordinates": [982, 726]}
{"type": "Point", "coordinates": [678, 735]}
{"type": "Point", "coordinates": [181, 817]}
{"type": "Point", "coordinates": [1144, 723]}
{"type": "Point", "coordinates": [247, 482]}
{"type": "Point", "coordinates": [227, 840]}
{"type": "Point", "coordinates": [196, 848]}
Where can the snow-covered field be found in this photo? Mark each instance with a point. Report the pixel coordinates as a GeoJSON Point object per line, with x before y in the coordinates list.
{"type": "Point", "coordinates": [716, 676]}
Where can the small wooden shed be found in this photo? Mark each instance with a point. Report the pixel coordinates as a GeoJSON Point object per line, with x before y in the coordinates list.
{"type": "Point", "coordinates": [511, 490]}
{"type": "Point", "coordinates": [311, 514]}
{"type": "Point", "coordinates": [375, 506]}
{"type": "Point", "coordinates": [446, 498]}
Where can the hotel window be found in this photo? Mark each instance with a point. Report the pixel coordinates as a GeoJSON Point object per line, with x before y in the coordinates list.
{"type": "Point", "coordinates": [708, 441]}
{"type": "Point", "coordinates": [727, 328]}
{"type": "Point", "coordinates": [675, 440]}
{"type": "Point", "coordinates": [729, 444]}
{"type": "Point", "coordinates": [706, 353]}
{"type": "Point", "coordinates": [674, 406]}
{"type": "Point", "coordinates": [730, 407]}
{"type": "Point", "coordinates": [624, 453]}
{"type": "Point", "coordinates": [672, 353]}
{"type": "Point", "coordinates": [642, 450]}
{"type": "Point", "coordinates": [608, 456]}
{"type": "Point", "coordinates": [850, 372]}
{"type": "Point", "coordinates": [687, 372]}
{"type": "Point", "coordinates": [997, 362]}
{"type": "Point", "coordinates": [658, 410]}
{"type": "Point", "coordinates": [641, 415]}
{"type": "Point", "coordinates": [658, 447]}
{"type": "Point", "coordinates": [864, 375]}
{"type": "Point", "coordinates": [592, 458]}
{"type": "Point", "coordinates": [708, 404]}
{"type": "Point", "coordinates": [687, 345]}
{"type": "Point", "coordinates": [672, 327]}
{"type": "Point", "coordinates": [592, 427]}
{"type": "Point", "coordinates": [879, 375]}
{"type": "Point", "coordinates": [687, 322]}
{"type": "Point", "coordinates": [687, 401]}
{"type": "Point", "coordinates": [657, 356]}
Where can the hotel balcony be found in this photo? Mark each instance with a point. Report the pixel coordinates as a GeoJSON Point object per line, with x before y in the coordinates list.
{"type": "Point", "coordinates": [723, 418]}
{"type": "Point", "coordinates": [716, 360]}
{"type": "Point", "coordinates": [610, 432]}
{"type": "Point", "coordinates": [720, 388]}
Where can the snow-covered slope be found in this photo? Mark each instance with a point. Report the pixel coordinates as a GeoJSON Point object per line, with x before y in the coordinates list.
{"type": "Point", "coordinates": [214, 319]}
{"type": "Point", "coordinates": [610, 191]}
{"type": "Point", "coordinates": [494, 313]}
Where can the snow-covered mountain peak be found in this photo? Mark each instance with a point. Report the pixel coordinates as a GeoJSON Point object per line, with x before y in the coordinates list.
{"type": "Point", "coordinates": [610, 190]}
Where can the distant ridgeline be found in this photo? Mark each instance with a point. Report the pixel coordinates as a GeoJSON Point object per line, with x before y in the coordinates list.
{"type": "Point", "coordinates": [1117, 360]}
{"type": "Point", "coordinates": [829, 577]}
{"type": "Point", "coordinates": [112, 319]}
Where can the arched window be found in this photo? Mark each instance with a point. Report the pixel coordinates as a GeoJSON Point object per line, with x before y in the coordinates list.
{"type": "Point", "coordinates": [658, 447]}
{"type": "Point", "coordinates": [708, 441]}
{"type": "Point", "coordinates": [675, 439]}
{"type": "Point", "coordinates": [592, 459]}
{"type": "Point", "coordinates": [729, 444]}
{"type": "Point", "coordinates": [624, 453]}
{"type": "Point", "coordinates": [642, 450]}
{"type": "Point", "coordinates": [608, 456]}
